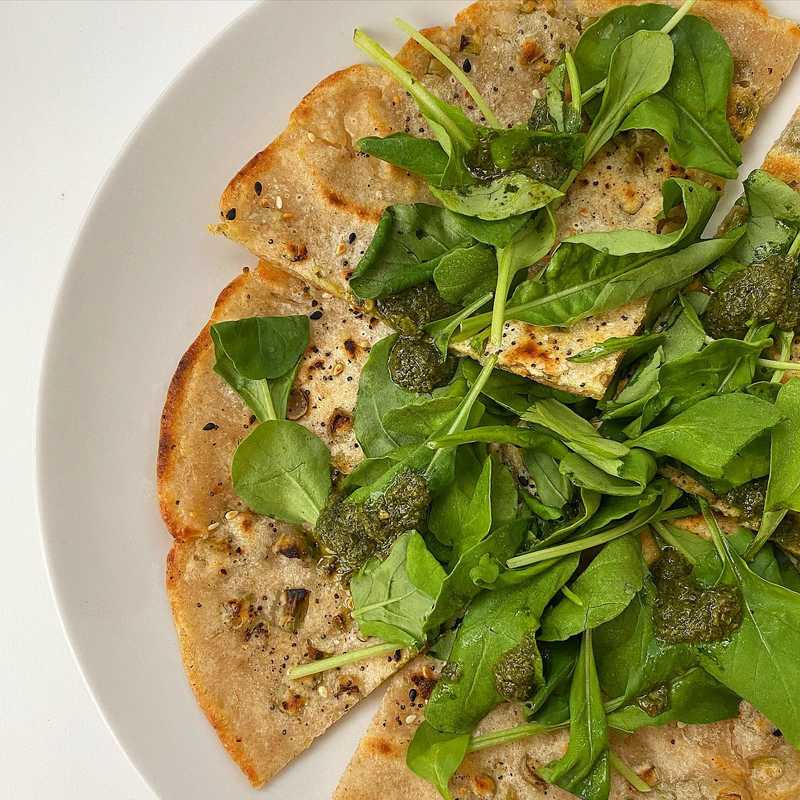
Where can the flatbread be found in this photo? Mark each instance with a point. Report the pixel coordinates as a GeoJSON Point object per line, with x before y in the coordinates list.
{"type": "Point", "coordinates": [246, 594]}
{"type": "Point", "coordinates": [741, 759]}
{"type": "Point", "coordinates": [300, 200]}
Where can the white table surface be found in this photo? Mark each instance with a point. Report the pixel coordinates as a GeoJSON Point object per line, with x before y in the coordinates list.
{"type": "Point", "coordinates": [77, 79]}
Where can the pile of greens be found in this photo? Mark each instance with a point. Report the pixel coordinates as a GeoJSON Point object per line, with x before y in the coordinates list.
{"type": "Point", "coordinates": [527, 537]}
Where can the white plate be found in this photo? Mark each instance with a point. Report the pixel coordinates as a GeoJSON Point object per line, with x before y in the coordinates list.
{"type": "Point", "coordinates": [139, 286]}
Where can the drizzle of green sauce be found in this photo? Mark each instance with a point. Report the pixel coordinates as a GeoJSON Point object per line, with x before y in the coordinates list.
{"type": "Point", "coordinates": [515, 672]}
{"type": "Point", "coordinates": [352, 533]}
{"type": "Point", "coordinates": [410, 310]}
{"type": "Point", "coordinates": [749, 498]}
{"type": "Point", "coordinates": [656, 701]}
{"type": "Point", "coordinates": [415, 364]}
{"type": "Point", "coordinates": [685, 612]}
{"type": "Point", "coordinates": [766, 290]}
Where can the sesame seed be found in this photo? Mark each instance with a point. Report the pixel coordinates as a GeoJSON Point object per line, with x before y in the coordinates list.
{"type": "Point", "coordinates": [311, 137]}
{"type": "Point", "coordinates": [232, 514]}
{"type": "Point", "coordinates": [213, 526]}
{"type": "Point", "coordinates": [322, 691]}
{"type": "Point", "coordinates": [411, 719]}
{"type": "Point", "coordinates": [338, 368]}
{"type": "Point", "coordinates": [341, 248]}
{"type": "Point", "coordinates": [279, 202]}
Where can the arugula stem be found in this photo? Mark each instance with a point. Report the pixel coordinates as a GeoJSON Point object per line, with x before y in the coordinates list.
{"type": "Point", "coordinates": [574, 82]}
{"type": "Point", "coordinates": [571, 596]}
{"type": "Point", "coordinates": [785, 338]}
{"type": "Point", "coordinates": [498, 313]}
{"type": "Point", "coordinates": [666, 534]}
{"type": "Point", "coordinates": [452, 68]}
{"type": "Point", "coordinates": [769, 522]}
{"type": "Point", "coordinates": [510, 735]}
{"type": "Point", "coordinates": [333, 662]}
{"type": "Point", "coordinates": [713, 527]}
{"type": "Point", "coordinates": [599, 87]}
{"type": "Point", "coordinates": [795, 247]}
{"type": "Point", "coordinates": [427, 101]}
{"type": "Point", "coordinates": [469, 401]}
{"type": "Point", "coordinates": [787, 366]}
{"type": "Point", "coordinates": [265, 396]}
{"type": "Point", "coordinates": [566, 549]}
{"type": "Point", "coordinates": [678, 16]}
{"type": "Point", "coordinates": [627, 772]}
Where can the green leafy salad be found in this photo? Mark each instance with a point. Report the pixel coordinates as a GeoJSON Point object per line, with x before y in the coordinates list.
{"type": "Point", "coordinates": [532, 539]}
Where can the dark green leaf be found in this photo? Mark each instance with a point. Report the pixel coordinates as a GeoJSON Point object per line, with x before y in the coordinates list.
{"type": "Point", "coordinates": [393, 598]}
{"type": "Point", "coordinates": [498, 199]}
{"type": "Point", "coordinates": [435, 756]}
{"type": "Point", "coordinates": [606, 587]}
{"type": "Point", "coordinates": [633, 346]}
{"type": "Point", "coordinates": [494, 623]}
{"type": "Point", "coordinates": [423, 157]}
{"type": "Point", "coordinates": [282, 470]}
{"type": "Point", "coordinates": [709, 435]}
{"type": "Point", "coordinates": [783, 489]}
{"type": "Point", "coordinates": [583, 769]}
{"type": "Point", "coordinates": [466, 273]}
{"type": "Point", "coordinates": [640, 66]}
{"type": "Point", "coordinates": [409, 242]}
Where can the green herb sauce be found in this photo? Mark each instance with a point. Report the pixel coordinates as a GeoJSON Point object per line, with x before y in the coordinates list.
{"type": "Point", "coordinates": [515, 672]}
{"type": "Point", "coordinates": [749, 498]}
{"type": "Point", "coordinates": [787, 536]}
{"type": "Point", "coordinates": [687, 613]}
{"type": "Point", "coordinates": [654, 702]}
{"type": "Point", "coordinates": [353, 532]}
{"type": "Point", "coordinates": [766, 290]}
{"type": "Point", "coordinates": [499, 153]}
{"type": "Point", "coordinates": [416, 364]}
{"type": "Point", "coordinates": [410, 310]}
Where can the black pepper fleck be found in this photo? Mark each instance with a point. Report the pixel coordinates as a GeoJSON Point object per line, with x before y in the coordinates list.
{"type": "Point", "coordinates": [316, 314]}
{"type": "Point", "coordinates": [210, 426]}
{"type": "Point", "coordinates": [231, 214]}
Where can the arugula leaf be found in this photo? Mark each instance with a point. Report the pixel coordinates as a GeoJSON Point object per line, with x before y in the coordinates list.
{"type": "Point", "coordinates": [632, 346]}
{"type": "Point", "coordinates": [258, 357]}
{"type": "Point", "coordinates": [449, 509]}
{"type": "Point", "coordinates": [553, 487]}
{"type": "Point", "coordinates": [583, 769]}
{"type": "Point", "coordinates": [495, 623]}
{"type": "Point", "coordinates": [530, 245]}
{"type": "Point", "coordinates": [783, 488]}
{"type": "Point", "coordinates": [639, 67]}
{"type": "Point", "coordinates": [630, 659]}
{"type": "Point", "coordinates": [709, 435]}
{"type": "Point", "coordinates": [414, 423]}
{"type": "Point", "coordinates": [685, 381]}
{"type": "Point", "coordinates": [408, 244]}
{"type": "Point", "coordinates": [282, 470]}
{"type": "Point", "coordinates": [456, 133]}
{"type": "Point", "coordinates": [773, 217]}
{"type": "Point", "coordinates": [435, 756]}
{"type": "Point", "coordinates": [574, 430]}
{"type": "Point", "coordinates": [630, 478]}
{"type": "Point", "coordinates": [442, 330]}
{"type": "Point", "coordinates": [466, 273]}
{"type": "Point", "coordinates": [581, 281]}
{"type": "Point", "coordinates": [606, 587]}
{"type": "Point", "coordinates": [423, 157]}
{"type": "Point", "coordinates": [393, 598]}
{"type": "Point", "coordinates": [693, 698]}
{"type": "Point", "coordinates": [690, 111]}
{"type": "Point", "coordinates": [499, 198]}
{"type": "Point", "coordinates": [587, 508]}
{"type": "Point", "coordinates": [759, 662]}
{"type": "Point", "coordinates": [459, 586]}
{"type": "Point", "coordinates": [559, 664]}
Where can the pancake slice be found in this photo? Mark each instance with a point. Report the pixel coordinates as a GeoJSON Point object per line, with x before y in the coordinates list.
{"type": "Point", "coordinates": [247, 596]}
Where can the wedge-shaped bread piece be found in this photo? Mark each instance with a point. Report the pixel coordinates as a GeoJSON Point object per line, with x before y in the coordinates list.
{"type": "Point", "coordinates": [303, 198]}
{"type": "Point", "coordinates": [731, 760]}
{"type": "Point", "coordinates": [247, 596]}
